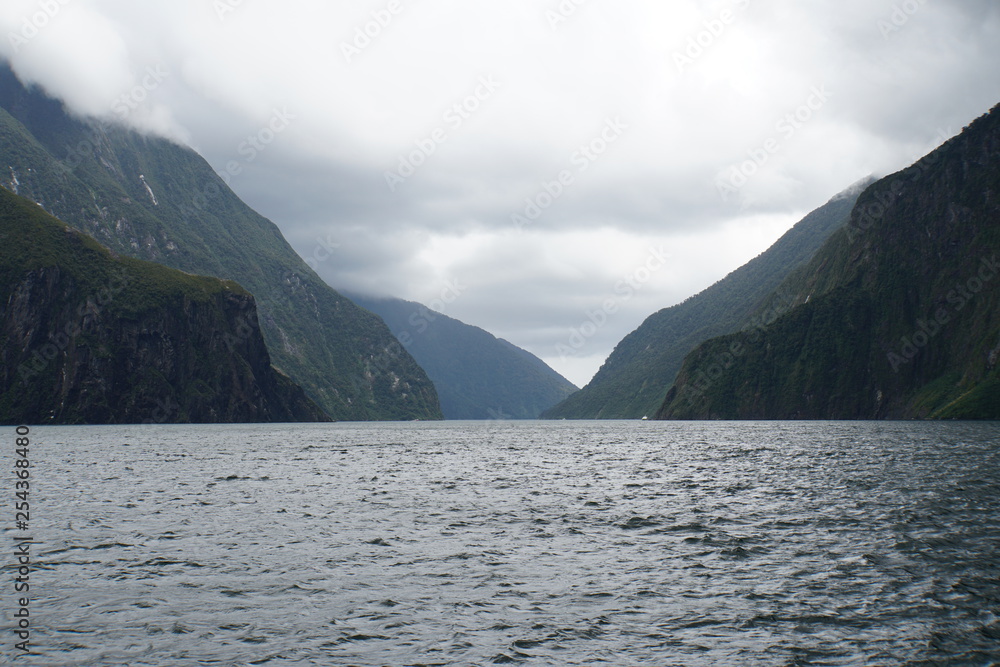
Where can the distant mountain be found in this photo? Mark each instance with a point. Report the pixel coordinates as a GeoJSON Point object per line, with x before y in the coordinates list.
{"type": "Point", "coordinates": [634, 380]}
{"type": "Point", "coordinates": [151, 199]}
{"type": "Point", "coordinates": [87, 338]}
{"type": "Point", "coordinates": [477, 375]}
{"type": "Point", "coordinates": [896, 317]}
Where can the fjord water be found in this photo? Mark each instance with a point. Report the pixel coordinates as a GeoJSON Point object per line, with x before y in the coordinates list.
{"type": "Point", "coordinates": [537, 543]}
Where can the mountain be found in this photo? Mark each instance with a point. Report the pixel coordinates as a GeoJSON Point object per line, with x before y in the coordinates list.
{"type": "Point", "coordinates": [151, 199]}
{"type": "Point", "coordinates": [634, 379]}
{"type": "Point", "coordinates": [87, 338]}
{"type": "Point", "coordinates": [477, 375]}
{"type": "Point", "coordinates": [896, 317]}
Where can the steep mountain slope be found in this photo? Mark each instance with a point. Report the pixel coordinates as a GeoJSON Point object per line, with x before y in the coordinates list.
{"type": "Point", "coordinates": [635, 378]}
{"type": "Point", "coordinates": [86, 338]}
{"type": "Point", "coordinates": [896, 317]}
{"type": "Point", "coordinates": [151, 199]}
{"type": "Point", "coordinates": [477, 375]}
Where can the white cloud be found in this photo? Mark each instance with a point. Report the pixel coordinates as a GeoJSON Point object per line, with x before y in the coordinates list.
{"type": "Point", "coordinates": [892, 94]}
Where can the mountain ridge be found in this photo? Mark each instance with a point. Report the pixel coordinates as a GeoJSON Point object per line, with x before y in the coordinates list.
{"type": "Point", "coordinates": [135, 195]}
{"type": "Point", "coordinates": [90, 338]}
{"type": "Point", "coordinates": [634, 379]}
{"type": "Point", "coordinates": [476, 374]}
{"type": "Point", "coordinates": [896, 316]}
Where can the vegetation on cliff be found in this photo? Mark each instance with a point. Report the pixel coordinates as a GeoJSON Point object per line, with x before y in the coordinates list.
{"type": "Point", "coordinates": [89, 338]}
{"type": "Point", "coordinates": [634, 380]}
{"type": "Point", "coordinates": [151, 199]}
{"type": "Point", "coordinates": [896, 317]}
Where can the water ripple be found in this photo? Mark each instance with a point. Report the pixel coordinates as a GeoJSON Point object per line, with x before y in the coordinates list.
{"type": "Point", "coordinates": [567, 543]}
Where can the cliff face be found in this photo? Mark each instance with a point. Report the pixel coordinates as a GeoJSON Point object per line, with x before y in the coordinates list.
{"type": "Point", "coordinates": [896, 317]}
{"type": "Point", "coordinates": [86, 338]}
{"type": "Point", "coordinates": [148, 198]}
{"type": "Point", "coordinates": [635, 378]}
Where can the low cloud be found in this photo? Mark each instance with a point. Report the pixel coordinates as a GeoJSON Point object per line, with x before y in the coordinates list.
{"type": "Point", "coordinates": [900, 76]}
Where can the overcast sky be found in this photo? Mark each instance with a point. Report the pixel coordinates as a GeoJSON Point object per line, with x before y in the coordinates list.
{"type": "Point", "coordinates": [529, 166]}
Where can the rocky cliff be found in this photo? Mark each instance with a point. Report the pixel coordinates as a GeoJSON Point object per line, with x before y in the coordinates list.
{"type": "Point", "coordinates": [896, 317]}
{"type": "Point", "coordinates": [151, 199]}
{"type": "Point", "coordinates": [637, 375]}
{"type": "Point", "coordinates": [89, 338]}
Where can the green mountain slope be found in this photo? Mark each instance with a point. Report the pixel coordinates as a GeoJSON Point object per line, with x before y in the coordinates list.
{"type": "Point", "coordinates": [87, 338]}
{"type": "Point", "coordinates": [896, 317]}
{"type": "Point", "coordinates": [477, 375]}
{"type": "Point", "coordinates": [636, 376]}
{"type": "Point", "coordinates": [151, 199]}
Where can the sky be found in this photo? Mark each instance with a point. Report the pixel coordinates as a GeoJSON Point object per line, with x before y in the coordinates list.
{"type": "Point", "coordinates": [553, 171]}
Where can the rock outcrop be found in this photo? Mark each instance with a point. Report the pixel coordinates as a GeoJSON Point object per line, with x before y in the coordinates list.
{"type": "Point", "coordinates": [89, 338]}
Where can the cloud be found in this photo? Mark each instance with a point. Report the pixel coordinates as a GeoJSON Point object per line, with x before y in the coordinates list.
{"type": "Point", "coordinates": [480, 108]}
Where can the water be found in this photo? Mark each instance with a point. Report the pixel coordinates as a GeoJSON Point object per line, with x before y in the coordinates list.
{"type": "Point", "coordinates": [466, 543]}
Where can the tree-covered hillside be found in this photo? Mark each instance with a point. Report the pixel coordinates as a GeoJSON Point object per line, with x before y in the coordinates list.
{"type": "Point", "coordinates": [89, 338]}
{"type": "Point", "coordinates": [151, 199]}
{"type": "Point", "coordinates": [634, 380]}
{"type": "Point", "coordinates": [477, 375]}
{"type": "Point", "coordinates": [896, 317]}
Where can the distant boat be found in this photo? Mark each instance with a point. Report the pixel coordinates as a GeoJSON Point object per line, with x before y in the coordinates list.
{"type": "Point", "coordinates": [644, 418]}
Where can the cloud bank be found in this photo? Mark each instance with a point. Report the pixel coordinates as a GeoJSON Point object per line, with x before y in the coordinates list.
{"type": "Point", "coordinates": [536, 153]}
